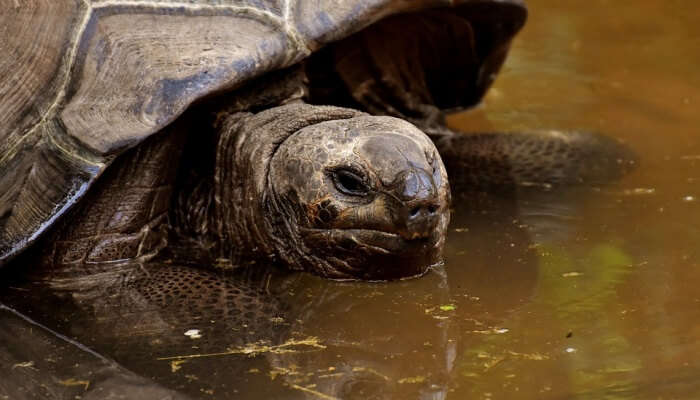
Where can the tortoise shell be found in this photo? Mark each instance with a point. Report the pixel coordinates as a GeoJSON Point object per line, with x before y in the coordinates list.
{"type": "Point", "coordinates": [81, 81]}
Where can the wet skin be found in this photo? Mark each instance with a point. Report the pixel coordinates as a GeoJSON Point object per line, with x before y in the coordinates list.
{"type": "Point", "coordinates": [328, 190]}
{"type": "Point", "coordinates": [373, 197]}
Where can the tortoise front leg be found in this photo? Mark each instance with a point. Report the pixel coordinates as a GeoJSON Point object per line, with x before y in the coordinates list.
{"type": "Point", "coordinates": [123, 217]}
{"type": "Point", "coordinates": [415, 67]}
{"type": "Point", "coordinates": [542, 158]}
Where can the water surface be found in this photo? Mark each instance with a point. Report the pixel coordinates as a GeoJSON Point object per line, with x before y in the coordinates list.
{"type": "Point", "coordinates": [587, 292]}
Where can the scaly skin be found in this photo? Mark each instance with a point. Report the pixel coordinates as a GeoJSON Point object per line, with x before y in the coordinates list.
{"type": "Point", "coordinates": [325, 189]}
{"type": "Point", "coordinates": [268, 184]}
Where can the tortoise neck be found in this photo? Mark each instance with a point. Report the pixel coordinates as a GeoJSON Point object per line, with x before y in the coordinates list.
{"type": "Point", "coordinates": [217, 218]}
{"type": "Point", "coordinates": [235, 212]}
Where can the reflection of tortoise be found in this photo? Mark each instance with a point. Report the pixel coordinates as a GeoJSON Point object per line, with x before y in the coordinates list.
{"type": "Point", "coordinates": [322, 188]}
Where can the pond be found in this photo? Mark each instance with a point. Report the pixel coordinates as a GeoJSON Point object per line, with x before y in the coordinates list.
{"type": "Point", "coordinates": [577, 293]}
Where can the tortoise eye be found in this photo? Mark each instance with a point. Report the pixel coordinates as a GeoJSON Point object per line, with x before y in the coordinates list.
{"type": "Point", "coordinates": [349, 182]}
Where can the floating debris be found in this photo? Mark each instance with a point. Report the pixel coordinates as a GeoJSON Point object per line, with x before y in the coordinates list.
{"type": "Point", "coordinates": [570, 350]}
{"type": "Point", "coordinates": [529, 356]}
{"type": "Point", "coordinates": [541, 185]}
{"type": "Point", "coordinates": [489, 361]}
{"type": "Point", "coordinates": [639, 191]}
{"type": "Point", "coordinates": [282, 371]}
{"type": "Point", "coordinates": [571, 274]}
{"type": "Point", "coordinates": [413, 379]}
{"type": "Point", "coordinates": [175, 365]}
{"type": "Point", "coordinates": [75, 382]}
{"type": "Point", "coordinates": [314, 392]}
{"type": "Point", "coordinates": [437, 312]}
{"type": "Point", "coordinates": [254, 349]}
{"type": "Point", "coordinates": [26, 364]}
{"type": "Point", "coordinates": [193, 334]}
{"type": "Point", "coordinates": [333, 375]}
{"type": "Point", "coordinates": [492, 361]}
{"type": "Point", "coordinates": [371, 371]}
{"type": "Point", "coordinates": [491, 331]}
{"type": "Point", "coordinates": [689, 199]}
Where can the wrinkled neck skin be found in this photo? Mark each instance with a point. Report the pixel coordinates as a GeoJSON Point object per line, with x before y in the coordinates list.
{"type": "Point", "coordinates": [323, 189]}
{"type": "Point", "coordinates": [243, 221]}
{"type": "Point", "coordinates": [249, 217]}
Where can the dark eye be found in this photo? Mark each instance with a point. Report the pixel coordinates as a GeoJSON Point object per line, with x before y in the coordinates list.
{"type": "Point", "coordinates": [350, 183]}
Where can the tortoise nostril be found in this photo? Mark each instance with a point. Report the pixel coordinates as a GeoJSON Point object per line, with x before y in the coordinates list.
{"type": "Point", "coordinates": [419, 220]}
{"type": "Point", "coordinates": [423, 210]}
{"type": "Point", "coordinates": [420, 204]}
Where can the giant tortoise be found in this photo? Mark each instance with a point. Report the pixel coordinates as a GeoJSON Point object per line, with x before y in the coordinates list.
{"type": "Point", "coordinates": [213, 131]}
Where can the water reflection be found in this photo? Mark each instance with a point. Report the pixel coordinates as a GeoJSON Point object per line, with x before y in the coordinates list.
{"type": "Point", "coordinates": [587, 293]}
{"type": "Point", "coordinates": [265, 330]}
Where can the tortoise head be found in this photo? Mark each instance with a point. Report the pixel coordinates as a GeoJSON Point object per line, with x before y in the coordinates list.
{"type": "Point", "coordinates": [356, 197]}
{"type": "Point", "coordinates": [370, 195]}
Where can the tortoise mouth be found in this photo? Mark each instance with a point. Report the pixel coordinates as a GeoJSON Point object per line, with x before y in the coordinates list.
{"type": "Point", "coordinates": [374, 255]}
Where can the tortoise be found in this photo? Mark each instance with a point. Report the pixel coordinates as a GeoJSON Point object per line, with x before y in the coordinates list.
{"type": "Point", "coordinates": [211, 130]}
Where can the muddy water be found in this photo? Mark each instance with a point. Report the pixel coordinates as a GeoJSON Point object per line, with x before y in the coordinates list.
{"type": "Point", "coordinates": [585, 293]}
{"type": "Point", "coordinates": [615, 309]}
